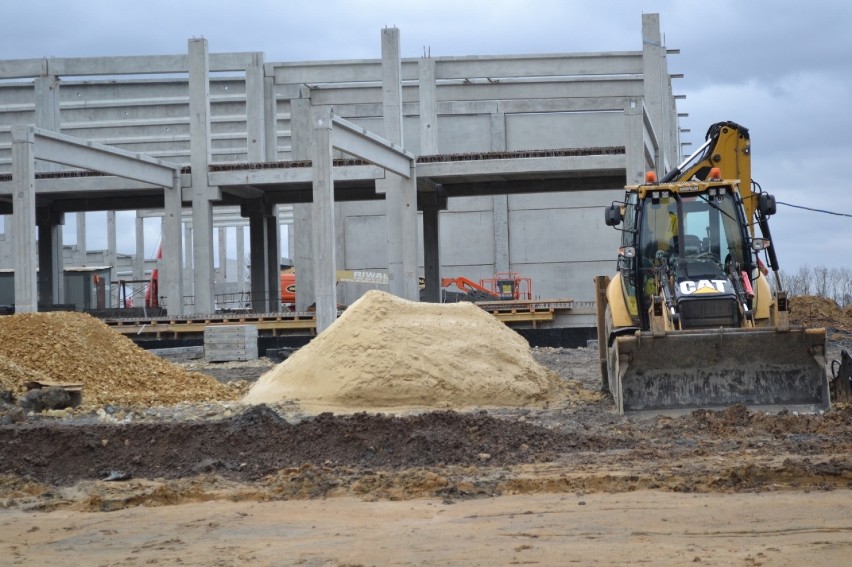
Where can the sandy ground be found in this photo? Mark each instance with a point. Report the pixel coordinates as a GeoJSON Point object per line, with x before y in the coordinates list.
{"type": "Point", "coordinates": [640, 528]}
{"type": "Point", "coordinates": [573, 484]}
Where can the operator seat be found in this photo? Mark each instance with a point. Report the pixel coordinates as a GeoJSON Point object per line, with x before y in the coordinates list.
{"type": "Point", "coordinates": [691, 245]}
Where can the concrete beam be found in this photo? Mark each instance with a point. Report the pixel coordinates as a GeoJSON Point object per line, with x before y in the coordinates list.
{"type": "Point", "coordinates": [316, 74]}
{"type": "Point", "coordinates": [290, 175]}
{"type": "Point", "coordinates": [91, 184]}
{"type": "Point", "coordinates": [67, 150]}
{"type": "Point", "coordinates": [357, 141]}
{"type": "Point", "coordinates": [122, 65]}
{"type": "Point", "coordinates": [519, 167]}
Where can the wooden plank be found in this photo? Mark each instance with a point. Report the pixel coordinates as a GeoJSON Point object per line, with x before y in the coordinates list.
{"type": "Point", "coordinates": [524, 317]}
{"type": "Point", "coordinates": [224, 343]}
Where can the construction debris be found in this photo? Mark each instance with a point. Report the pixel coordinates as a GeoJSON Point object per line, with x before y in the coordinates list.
{"type": "Point", "coordinates": [75, 348]}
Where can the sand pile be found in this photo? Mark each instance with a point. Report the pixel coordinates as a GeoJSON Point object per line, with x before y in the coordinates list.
{"type": "Point", "coordinates": [385, 352]}
{"type": "Point", "coordinates": [69, 347]}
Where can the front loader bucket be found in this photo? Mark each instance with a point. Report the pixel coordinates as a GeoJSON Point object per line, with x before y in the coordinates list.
{"type": "Point", "coordinates": [684, 370]}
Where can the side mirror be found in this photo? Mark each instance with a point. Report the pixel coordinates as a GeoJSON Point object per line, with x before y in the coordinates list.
{"type": "Point", "coordinates": [612, 215]}
{"type": "Point", "coordinates": [766, 204]}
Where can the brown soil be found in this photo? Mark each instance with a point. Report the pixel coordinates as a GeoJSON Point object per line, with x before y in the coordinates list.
{"type": "Point", "coordinates": [817, 311]}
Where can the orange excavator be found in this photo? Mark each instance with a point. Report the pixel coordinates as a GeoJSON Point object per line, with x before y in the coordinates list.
{"type": "Point", "coordinates": [504, 286]}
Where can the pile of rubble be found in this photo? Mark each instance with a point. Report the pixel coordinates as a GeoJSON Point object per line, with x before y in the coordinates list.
{"type": "Point", "coordinates": [818, 311]}
{"type": "Point", "coordinates": [75, 348]}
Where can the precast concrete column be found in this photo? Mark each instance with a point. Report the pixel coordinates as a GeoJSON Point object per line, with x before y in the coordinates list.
{"type": "Point", "coordinates": [255, 110]}
{"type": "Point", "coordinates": [202, 209]}
{"type": "Point", "coordinates": [301, 142]}
{"type": "Point", "coordinates": [49, 279]}
{"type": "Point", "coordinates": [24, 218]}
{"type": "Point", "coordinates": [6, 243]}
{"type": "Point", "coordinates": [391, 86]}
{"type": "Point", "coordinates": [400, 193]}
{"type": "Point", "coordinates": [257, 95]}
{"type": "Point", "coordinates": [498, 130]}
{"type": "Point", "coordinates": [112, 255]}
{"type": "Point", "coordinates": [188, 279]}
{"type": "Point", "coordinates": [256, 212]}
{"type": "Point", "coordinates": [47, 114]}
{"type": "Point", "coordinates": [502, 261]}
{"type": "Point", "coordinates": [429, 200]}
{"type": "Point", "coordinates": [51, 283]}
{"type": "Point", "coordinates": [500, 203]}
{"type": "Point", "coordinates": [139, 257]}
{"type": "Point", "coordinates": [58, 284]}
{"type": "Point", "coordinates": [634, 143]}
{"type": "Point", "coordinates": [82, 248]}
{"type": "Point", "coordinates": [46, 91]}
{"type": "Point", "coordinates": [656, 86]}
{"type": "Point", "coordinates": [291, 249]}
{"type": "Point", "coordinates": [273, 258]}
{"type": "Point", "coordinates": [241, 259]}
{"type": "Point", "coordinates": [428, 107]}
{"type": "Point", "coordinates": [408, 214]}
{"type": "Point", "coordinates": [432, 204]}
{"type": "Point", "coordinates": [270, 120]}
{"type": "Point", "coordinates": [171, 286]}
{"type": "Point", "coordinates": [322, 218]}
{"type": "Point", "coordinates": [222, 233]}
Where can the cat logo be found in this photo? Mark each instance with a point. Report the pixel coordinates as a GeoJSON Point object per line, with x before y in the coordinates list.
{"type": "Point", "coordinates": [689, 287]}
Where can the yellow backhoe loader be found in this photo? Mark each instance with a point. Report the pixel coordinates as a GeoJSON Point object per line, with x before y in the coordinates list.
{"type": "Point", "coordinates": [690, 319]}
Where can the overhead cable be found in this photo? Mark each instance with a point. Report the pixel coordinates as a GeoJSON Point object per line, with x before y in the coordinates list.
{"type": "Point", "coordinates": [814, 210]}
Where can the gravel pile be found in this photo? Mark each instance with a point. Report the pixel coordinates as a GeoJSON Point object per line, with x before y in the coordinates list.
{"type": "Point", "coordinates": [69, 347]}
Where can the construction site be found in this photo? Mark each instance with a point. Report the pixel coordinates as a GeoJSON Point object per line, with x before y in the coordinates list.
{"type": "Point", "coordinates": [385, 321]}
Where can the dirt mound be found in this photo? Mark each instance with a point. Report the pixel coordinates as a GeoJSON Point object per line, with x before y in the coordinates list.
{"type": "Point", "coordinates": [818, 311]}
{"type": "Point", "coordinates": [68, 347]}
{"type": "Point", "coordinates": [385, 352]}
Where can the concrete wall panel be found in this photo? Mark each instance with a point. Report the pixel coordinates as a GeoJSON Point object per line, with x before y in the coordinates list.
{"type": "Point", "coordinates": [468, 204]}
{"type": "Point", "coordinates": [559, 235]}
{"type": "Point", "coordinates": [364, 242]}
{"type": "Point", "coordinates": [562, 280]}
{"type": "Point", "coordinates": [467, 238]}
{"type": "Point", "coordinates": [574, 199]}
{"type": "Point", "coordinates": [546, 89]}
{"type": "Point", "coordinates": [17, 94]}
{"type": "Point", "coordinates": [564, 130]}
{"type": "Point", "coordinates": [464, 134]}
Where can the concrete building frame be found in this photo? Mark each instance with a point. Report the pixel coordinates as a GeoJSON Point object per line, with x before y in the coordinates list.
{"type": "Point", "coordinates": [511, 156]}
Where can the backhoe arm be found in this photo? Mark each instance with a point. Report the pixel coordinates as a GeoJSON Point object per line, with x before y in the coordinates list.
{"type": "Point", "coordinates": [727, 147]}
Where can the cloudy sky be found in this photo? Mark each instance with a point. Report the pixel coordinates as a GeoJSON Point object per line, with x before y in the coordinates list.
{"type": "Point", "coordinates": [781, 68]}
